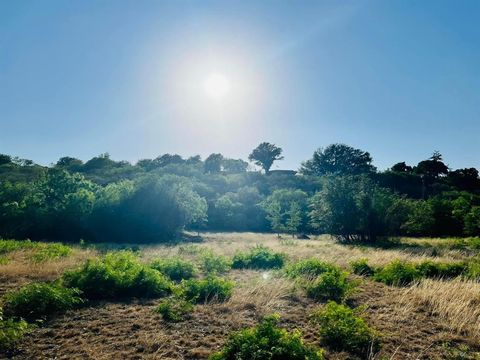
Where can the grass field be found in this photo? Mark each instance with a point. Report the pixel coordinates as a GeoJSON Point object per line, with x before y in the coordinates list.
{"type": "Point", "coordinates": [428, 318]}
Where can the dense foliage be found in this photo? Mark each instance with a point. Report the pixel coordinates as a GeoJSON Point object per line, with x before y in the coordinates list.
{"type": "Point", "coordinates": [176, 269]}
{"type": "Point", "coordinates": [174, 309]}
{"type": "Point", "coordinates": [338, 191]}
{"type": "Point", "coordinates": [207, 290]}
{"type": "Point", "coordinates": [118, 274]}
{"type": "Point", "coordinates": [267, 342]}
{"type": "Point", "coordinates": [11, 332]}
{"type": "Point", "coordinates": [258, 257]}
{"type": "Point", "coordinates": [38, 301]}
{"type": "Point", "coordinates": [402, 273]}
{"type": "Point", "coordinates": [342, 329]}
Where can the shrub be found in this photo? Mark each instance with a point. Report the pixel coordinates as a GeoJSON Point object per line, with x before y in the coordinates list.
{"type": "Point", "coordinates": [4, 259]}
{"type": "Point", "coordinates": [432, 269]}
{"type": "Point", "coordinates": [258, 257]}
{"type": "Point", "coordinates": [361, 267]}
{"type": "Point", "coordinates": [7, 246]}
{"type": "Point", "coordinates": [37, 301]}
{"type": "Point", "coordinates": [342, 329]}
{"type": "Point", "coordinates": [398, 273]}
{"type": "Point", "coordinates": [309, 268]}
{"type": "Point", "coordinates": [51, 251]}
{"type": "Point", "coordinates": [332, 285]}
{"type": "Point", "coordinates": [118, 274]}
{"type": "Point", "coordinates": [11, 332]}
{"type": "Point", "coordinates": [176, 269]}
{"type": "Point", "coordinates": [43, 251]}
{"type": "Point", "coordinates": [473, 270]}
{"type": "Point", "coordinates": [206, 290]}
{"type": "Point", "coordinates": [174, 309]}
{"type": "Point", "coordinates": [267, 342]}
{"type": "Point", "coordinates": [215, 264]}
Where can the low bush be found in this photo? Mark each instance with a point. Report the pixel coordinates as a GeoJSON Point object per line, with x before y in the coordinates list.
{"type": "Point", "coordinates": [118, 274]}
{"type": "Point", "coordinates": [332, 285]}
{"type": "Point", "coordinates": [309, 268]}
{"type": "Point", "coordinates": [42, 251]}
{"type": "Point", "coordinates": [267, 342]}
{"type": "Point", "coordinates": [258, 257]}
{"type": "Point", "coordinates": [473, 270]}
{"type": "Point", "coordinates": [176, 269]}
{"type": "Point", "coordinates": [51, 251]}
{"type": "Point", "coordinates": [342, 329]}
{"type": "Point", "coordinates": [361, 267]}
{"type": "Point", "coordinates": [206, 290]}
{"type": "Point", "coordinates": [398, 273]}
{"type": "Point", "coordinates": [11, 332]}
{"type": "Point", "coordinates": [38, 301]}
{"type": "Point", "coordinates": [433, 269]}
{"type": "Point", "coordinates": [174, 309]}
{"type": "Point", "coordinates": [7, 246]}
{"type": "Point", "coordinates": [4, 259]}
{"type": "Point", "coordinates": [215, 264]}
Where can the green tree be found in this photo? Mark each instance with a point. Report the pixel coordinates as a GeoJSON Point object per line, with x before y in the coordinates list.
{"type": "Point", "coordinates": [265, 154]}
{"type": "Point", "coordinates": [234, 166]}
{"type": "Point", "coordinates": [433, 167]}
{"type": "Point", "coordinates": [294, 218]}
{"type": "Point", "coordinates": [352, 208]}
{"type": "Point", "coordinates": [274, 216]}
{"type": "Point", "coordinates": [338, 159]}
{"type": "Point", "coordinates": [213, 163]}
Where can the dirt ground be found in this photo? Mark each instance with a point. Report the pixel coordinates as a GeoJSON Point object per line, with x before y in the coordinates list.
{"type": "Point", "coordinates": [132, 330]}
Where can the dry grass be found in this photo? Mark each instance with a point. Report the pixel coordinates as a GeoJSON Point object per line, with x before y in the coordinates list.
{"type": "Point", "coordinates": [323, 247]}
{"type": "Point", "coordinates": [20, 268]}
{"type": "Point", "coordinates": [263, 294]}
{"type": "Point", "coordinates": [414, 321]}
{"type": "Point", "coordinates": [456, 302]}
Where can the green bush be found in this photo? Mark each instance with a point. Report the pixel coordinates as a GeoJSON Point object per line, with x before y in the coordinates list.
{"type": "Point", "coordinates": [43, 251]}
{"type": "Point", "coordinates": [342, 329]}
{"type": "Point", "coordinates": [118, 274]}
{"type": "Point", "coordinates": [51, 251]}
{"type": "Point", "coordinates": [215, 264]}
{"type": "Point", "coordinates": [258, 257]}
{"type": "Point", "coordinates": [11, 332]}
{"type": "Point", "coordinates": [38, 301]}
{"type": "Point", "coordinates": [4, 259]}
{"type": "Point", "coordinates": [176, 269]}
{"type": "Point", "coordinates": [174, 309]}
{"type": "Point", "coordinates": [309, 268]}
{"type": "Point", "coordinates": [332, 285]}
{"type": "Point", "coordinates": [7, 246]}
{"type": "Point", "coordinates": [206, 290]}
{"type": "Point", "coordinates": [267, 342]}
{"type": "Point", "coordinates": [361, 267]}
{"type": "Point", "coordinates": [473, 270]}
{"type": "Point", "coordinates": [432, 269]}
{"type": "Point", "coordinates": [398, 273]}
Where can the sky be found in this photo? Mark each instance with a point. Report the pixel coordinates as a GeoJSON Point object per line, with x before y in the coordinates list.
{"type": "Point", "coordinates": [397, 78]}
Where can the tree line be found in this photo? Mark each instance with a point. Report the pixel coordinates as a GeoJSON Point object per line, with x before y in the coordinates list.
{"type": "Point", "coordinates": [337, 191]}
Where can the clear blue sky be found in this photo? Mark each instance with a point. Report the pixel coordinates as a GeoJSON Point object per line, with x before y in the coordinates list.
{"type": "Point", "coordinates": [397, 78]}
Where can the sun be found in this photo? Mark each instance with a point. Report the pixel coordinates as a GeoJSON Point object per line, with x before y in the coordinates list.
{"type": "Point", "coordinates": [216, 86]}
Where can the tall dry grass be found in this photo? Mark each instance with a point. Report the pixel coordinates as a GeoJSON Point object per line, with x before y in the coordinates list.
{"type": "Point", "coordinates": [456, 302]}
{"type": "Point", "coordinates": [322, 247]}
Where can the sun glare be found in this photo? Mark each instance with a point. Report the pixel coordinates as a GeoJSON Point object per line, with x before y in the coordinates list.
{"type": "Point", "coordinates": [216, 86]}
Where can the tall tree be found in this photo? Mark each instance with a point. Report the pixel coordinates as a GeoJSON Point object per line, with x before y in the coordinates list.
{"type": "Point", "coordinates": [265, 154]}
{"type": "Point", "coordinates": [338, 159]}
{"type": "Point", "coordinates": [294, 218]}
{"type": "Point", "coordinates": [433, 167]}
{"type": "Point", "coordinates": [213, 163]}
{"type": "Point", "coordinates": [234, 166]}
